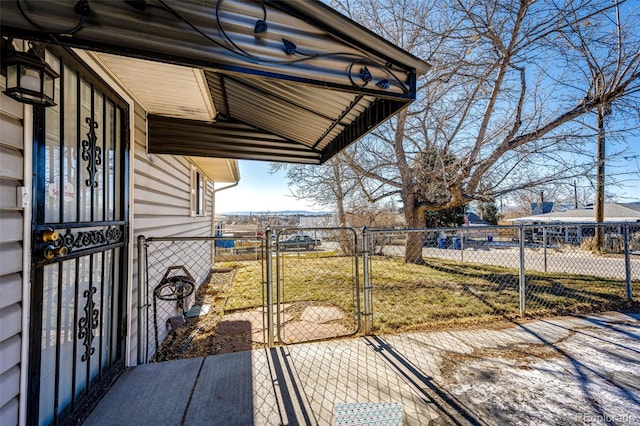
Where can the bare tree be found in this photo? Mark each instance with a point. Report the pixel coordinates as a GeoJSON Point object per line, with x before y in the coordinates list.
{"type": "Point", "coordinates": [330, 185]}
{"type": "Point", "coordinates": [504, 106]}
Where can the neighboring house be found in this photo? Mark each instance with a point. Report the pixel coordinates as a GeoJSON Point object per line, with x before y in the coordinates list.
{"type": "Point", "coordinates": [613, 212]}
{"type": "Point", "coordinates": [472, 219]}
{"type": "Point", "coordinates": [579, 222]}
{"type": "Point", "coordinates": [154, 105]}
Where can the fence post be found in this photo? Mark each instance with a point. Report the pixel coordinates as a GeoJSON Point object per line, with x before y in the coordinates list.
{"type": "Point", "coordinates": [367, 284]}
{"type": "Point", "coordinates": [269, 260]}
{"type": "Point", "coordinates": [522, 275]}
{"type": "Point", "coordinates": [544, 245]}
{"type": "Point", "coordinates": [142, 300]}
{"type": "Point", "coordinates": [627, 263]}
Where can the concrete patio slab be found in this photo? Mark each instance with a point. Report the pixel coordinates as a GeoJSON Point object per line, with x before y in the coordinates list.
{"type": "Point", "coordinates": [321, 314]}
{"type": "Point", "coordinates": [231, 392]}
{"type": "Point", "coordinates": [571, 370]}
{"type": "Point", "coordinates": [155, 394]}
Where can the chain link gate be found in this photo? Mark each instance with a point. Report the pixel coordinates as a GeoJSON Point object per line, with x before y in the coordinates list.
{"type": "Point", "coordinates": [317, 284]}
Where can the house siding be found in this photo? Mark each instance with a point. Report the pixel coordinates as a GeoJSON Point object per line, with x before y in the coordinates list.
{"type": "Point", "coordinates": [11, 256]}
{"type": "Point", "coordinates": [161, 204]}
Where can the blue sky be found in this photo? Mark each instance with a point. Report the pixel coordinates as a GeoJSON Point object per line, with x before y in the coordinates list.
{"type": "Point", "coordinates": [629, 165]}
{"type": "Point", "coordinates": [258, 190]}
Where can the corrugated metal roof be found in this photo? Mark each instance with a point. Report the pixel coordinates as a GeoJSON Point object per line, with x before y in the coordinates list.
{"type": "Point", "coordinates": [224, 139]}
{"type": "Point", "coordinates": [302, 83]}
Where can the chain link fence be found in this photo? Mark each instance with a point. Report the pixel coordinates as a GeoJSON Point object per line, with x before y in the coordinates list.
{"type": "Point", "coordinates": [203, 296]}
{"type": "Point", "coordinates": [567, 273]}
{"type": "Point", "coordinates": [426, 278]}
{"type": "Point", "coordinates": [186, 289]}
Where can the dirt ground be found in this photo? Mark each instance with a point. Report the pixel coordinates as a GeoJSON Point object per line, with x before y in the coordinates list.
{"type": "Point", "coordinates": [221, 331]}
{"type": "Point", "coordinates": [201, 335]}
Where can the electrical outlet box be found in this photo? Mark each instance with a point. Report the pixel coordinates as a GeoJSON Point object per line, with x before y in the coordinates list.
{"type": "Point", "coordinates": [23, 197]}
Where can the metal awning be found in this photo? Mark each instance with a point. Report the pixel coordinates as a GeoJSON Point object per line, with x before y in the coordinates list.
{"type": "Point", "coordinates": [291, 81]}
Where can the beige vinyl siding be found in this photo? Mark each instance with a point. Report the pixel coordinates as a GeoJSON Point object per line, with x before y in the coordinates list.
{"type": "Point", "coordinates": [11, 256]}
{"type": "Point", "coordinates": [161, 202]}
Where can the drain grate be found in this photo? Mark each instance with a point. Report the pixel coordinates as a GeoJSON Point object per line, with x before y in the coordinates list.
{"type": "Point", "coordinates": [363, 413]}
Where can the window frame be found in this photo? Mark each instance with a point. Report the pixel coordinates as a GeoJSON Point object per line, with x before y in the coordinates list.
{"type": "Point", "coordinates": [199, 183]}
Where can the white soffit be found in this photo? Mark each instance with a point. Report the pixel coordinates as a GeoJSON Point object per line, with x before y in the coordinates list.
{"type": "Point", "coordinates": [163, 89]}
{"type": "Point", "coordinates": [218, 169]}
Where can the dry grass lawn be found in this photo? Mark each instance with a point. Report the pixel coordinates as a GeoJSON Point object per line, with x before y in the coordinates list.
{"type": "Point", "coordinates": [406, 297]}
{"type": "Point", "coordinates": [438, 294]}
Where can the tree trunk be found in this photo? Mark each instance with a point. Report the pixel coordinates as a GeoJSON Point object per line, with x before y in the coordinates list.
{"type": "Point", "coordinates": [345, 241]}
{"type": "Point", "coordinates": [413, 246]}
{"type": "Point", "coordinates": [413, 215]}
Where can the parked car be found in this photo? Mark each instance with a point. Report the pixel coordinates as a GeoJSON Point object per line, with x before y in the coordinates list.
{"type": "Point", "coordinates": [299, 242]}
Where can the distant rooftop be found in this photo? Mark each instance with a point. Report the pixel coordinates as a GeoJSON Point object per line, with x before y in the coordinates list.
{"type": "Point", "coordinates": [613, 212]}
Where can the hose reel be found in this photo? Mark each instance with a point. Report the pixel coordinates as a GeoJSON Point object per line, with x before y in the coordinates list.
{"type": "Point", "coordinates": [172, 288]}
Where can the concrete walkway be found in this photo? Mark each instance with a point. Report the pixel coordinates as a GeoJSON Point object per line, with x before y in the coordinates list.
{"type": "Point", "coordinates": [570, 370]}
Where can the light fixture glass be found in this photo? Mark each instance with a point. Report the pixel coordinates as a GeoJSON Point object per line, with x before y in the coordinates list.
{"type": "Point", "coordinates": [29, 78]}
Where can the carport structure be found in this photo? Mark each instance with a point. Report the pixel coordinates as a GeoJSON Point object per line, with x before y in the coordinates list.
{"type": "Point", "coordinates": [290, 81]}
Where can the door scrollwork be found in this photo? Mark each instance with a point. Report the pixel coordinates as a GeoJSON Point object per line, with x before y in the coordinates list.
{"type": "Point", "coordinates": [91, 153]}
{"type": "Point", "coordinates": [88, 323]}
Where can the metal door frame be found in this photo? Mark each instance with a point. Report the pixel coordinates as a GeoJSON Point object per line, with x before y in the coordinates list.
{"type": "Point", "coordinates": [114, 235]}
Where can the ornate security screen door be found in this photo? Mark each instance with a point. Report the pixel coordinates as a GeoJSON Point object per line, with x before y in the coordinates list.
{"type": "Point", "coordinates": [79, 240]}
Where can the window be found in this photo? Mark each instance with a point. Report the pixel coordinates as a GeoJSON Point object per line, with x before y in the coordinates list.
{"type": "Point", "coordinates": [198, 193]}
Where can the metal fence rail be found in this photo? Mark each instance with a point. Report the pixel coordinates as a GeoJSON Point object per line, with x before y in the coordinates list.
{"type": "Point", "coordinates": [307, 284]}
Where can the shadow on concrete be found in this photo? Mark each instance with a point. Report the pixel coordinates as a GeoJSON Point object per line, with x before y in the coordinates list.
{"type": "Point", "coordinates": [585, 373]}
{"type": "Point", "coordinates": [452, 409]}
{"type": "Point", "coordinates": [223, 392]}
{"type": "Point", "coordinates": [292, 401]}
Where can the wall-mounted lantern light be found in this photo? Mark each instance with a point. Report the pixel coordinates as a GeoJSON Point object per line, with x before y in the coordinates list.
{"type": "Point", "coordinates": [29, 78]}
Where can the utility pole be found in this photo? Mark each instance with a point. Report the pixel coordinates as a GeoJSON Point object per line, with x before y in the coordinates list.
{"type": "Point", "coordinates": [600, 181]}
{"type": "Point", "coordinates": [602, 110]}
